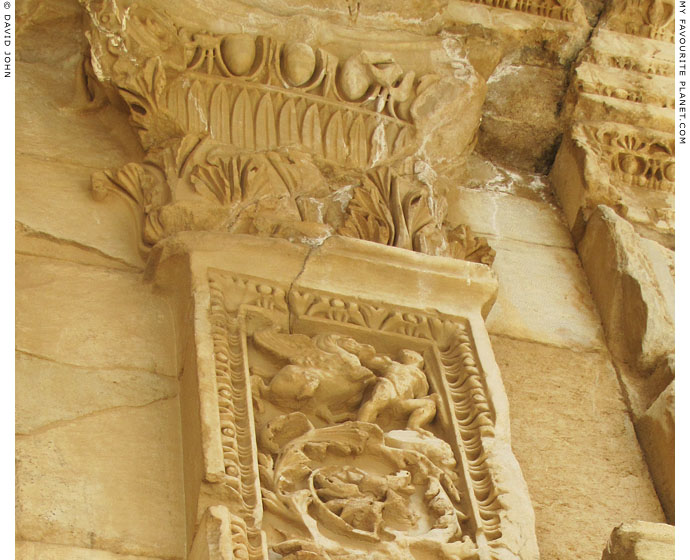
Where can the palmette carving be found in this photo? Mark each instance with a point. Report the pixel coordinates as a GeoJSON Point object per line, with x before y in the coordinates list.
{"type": "Point", "coordinates": [652, 19]}
{"type": "Point", "coordinates": [638, 158]}
{"type": "Point", "coordinates": [196, 184]}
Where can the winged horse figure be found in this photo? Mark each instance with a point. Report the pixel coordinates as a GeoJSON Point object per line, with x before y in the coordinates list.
{"type": "Point", "coordinates": [324, 376]}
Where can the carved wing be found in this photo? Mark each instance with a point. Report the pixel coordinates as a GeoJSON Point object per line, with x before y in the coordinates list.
{"type": "Point", "coordinates": [298, 349]}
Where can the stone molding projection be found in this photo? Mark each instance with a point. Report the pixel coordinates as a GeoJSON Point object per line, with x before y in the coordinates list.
{"type": "Point", "coordinates": [615, 177]}
{"type": "Point", "coordinates": [339, 398]}
{"type": "Point", "coordinates": [341, 419]}
{"type": "Point", "coordinates": [621, 164]}
{"type": "Point", "coordinates": [248, 134]}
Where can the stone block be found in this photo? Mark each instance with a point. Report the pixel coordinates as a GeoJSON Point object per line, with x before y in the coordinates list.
{"type": "Point", "coordinates": [25, 550]}
{"type": "Point", "coordinates": [520, 126]}
{"type": "Point", "coordinates": [656, 430]}
{"type": "Point", "coordinates": [639, 540]}
{"type": "Point", "coordinates": [114, 320]}
{"type": "Point", "coordinates": [634, 309]}
{"type": "Point", "coordinates": [573, 436]}
{"type": "Point", "coordinates": [70, 217]}
{"type": "Point", "coordinates": [506, 216]}
{"type": "Point", "coordinates": [49, 392]}
{"type": "Point", "coordinates": [110, 480]}
{"type": "Point", "coordinates": [51, 125]}
{"type": "Point", "coordinates": [543, 296]}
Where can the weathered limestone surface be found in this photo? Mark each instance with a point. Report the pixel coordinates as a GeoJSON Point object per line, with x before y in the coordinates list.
{"type": "Point", "coordinates": [40, 551]}
{"type": "Point", "coordinates": [656, 430]}
{"type": "Point", "coordinates": [68, 217]}
{"type": "Point", "coordinates": [573, 438]}
{"type": "Point", "coordinates": [504, 215]}
{"type": "Point", "coordinates": [641, 541]}
{"type": "Point", "coordinates": [50, 392]}
{"type": "Point", "coordinates": [105, 467]}
{"type": "Point", "coordinates": [615, 177]}
{"type": "Point", "coordinates": [547, 298]}
{"type": "Point", "coordinates": [520, 124]}
{"type": "Point", "coordinates": [120, 466]}
{"type": "Point", "coordinates": [637, 314]}
{"type": "Point", "coordinates": [97, 411]}
{"type": "Point", "coordinates": [115, 322]}
{"type": "Point", "coordinates": [98, 455]}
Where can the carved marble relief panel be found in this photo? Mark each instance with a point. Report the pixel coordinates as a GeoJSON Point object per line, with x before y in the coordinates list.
{"type": "Point", "coordinates": [346, 427]}
{"type": "Point", "coordinates": [364, 450]}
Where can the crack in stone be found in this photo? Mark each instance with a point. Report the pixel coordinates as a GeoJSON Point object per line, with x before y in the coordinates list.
{"type": "Point", "coordinates": [92, 367]}
{"type": "Point", "coordinates": [66, 421]}
{"type": "Point", "coordinates": [33, 233]}
{"type": "Point", "coordinates": [292, 284]}
{"type": "Point", "coordinates": [602, 350]}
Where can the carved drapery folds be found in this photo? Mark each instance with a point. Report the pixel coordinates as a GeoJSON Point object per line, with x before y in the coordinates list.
{"type": "Point", "coordinates": [346, 424]}
{"type": "Point", "coordinates": [249, 134]}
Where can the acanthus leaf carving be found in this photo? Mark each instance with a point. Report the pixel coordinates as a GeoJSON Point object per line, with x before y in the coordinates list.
{"type": "Point", "coordinates": [245, 132]}
{"type": "Point", "coordinates": [409, 217]}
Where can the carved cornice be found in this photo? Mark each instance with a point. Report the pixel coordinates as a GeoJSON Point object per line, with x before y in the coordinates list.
{"type": "Point", "coordinates": [650, 19]}
{"type": "Point", "coordinates": [631, 63]}
{"type": "Point", "coordinates": [627, 168]}
{"type": "Point", "coordinates": [635, 157]}
{"type": "Point", "coordinates": [564, 10]}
